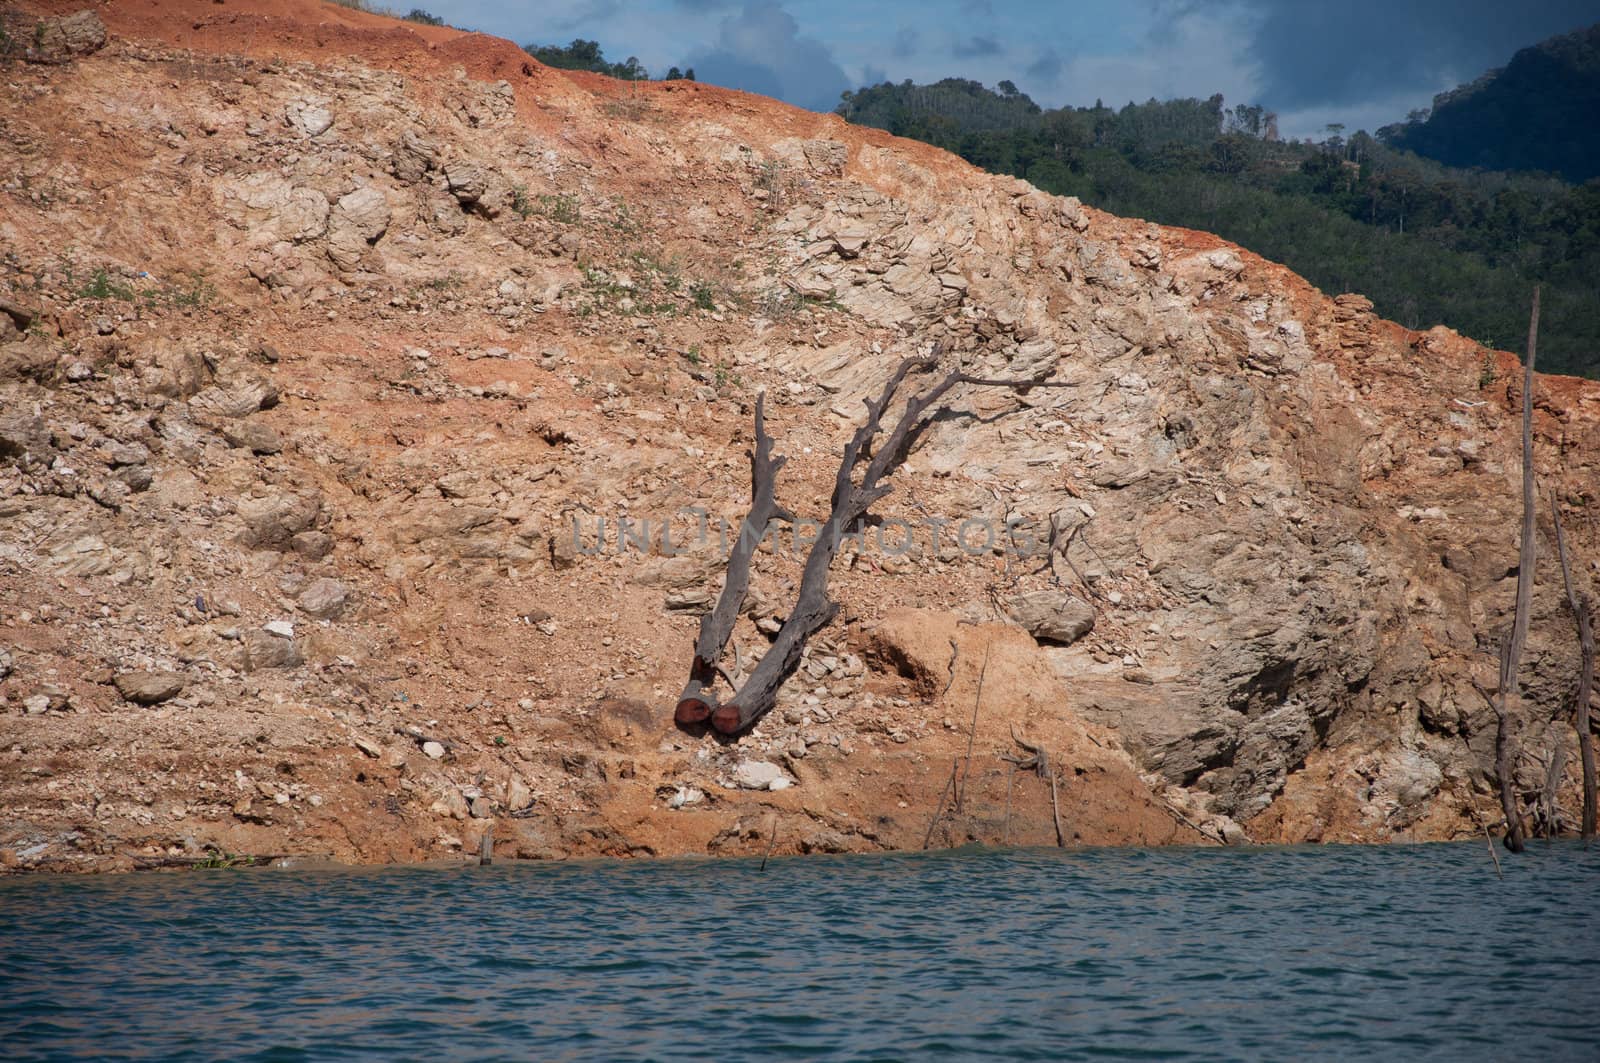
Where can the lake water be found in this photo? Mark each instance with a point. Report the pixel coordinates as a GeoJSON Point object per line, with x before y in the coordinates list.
{"type": "Point", "coordinates": [1337, 952]}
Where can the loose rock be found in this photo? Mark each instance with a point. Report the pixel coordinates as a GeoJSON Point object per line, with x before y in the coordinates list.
{"type": "Point", "coordinates": [149, 688]}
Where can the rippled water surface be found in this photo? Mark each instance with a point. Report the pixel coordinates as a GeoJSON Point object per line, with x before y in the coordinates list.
{"type": "Point", "coordinates": [1337, 952]}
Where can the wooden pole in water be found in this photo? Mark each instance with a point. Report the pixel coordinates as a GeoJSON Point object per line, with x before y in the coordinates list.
{"type": "Point", "coordinates": [938, 811]}
{"type": "Point", "coordinates": [771, 842]}
{"type": "Point", "coordinates": [1579, 602]}
{"type": "Point", "coordinates": [1489, 841]}
{"type": "Point", "coordinates": [1055, 805]}
{"type": "Point", "coordinates": [1011, 779]}
{"type": "Point", "coordinates": [486, 847]}
{"type": "Point", "coordinates": [972, 733]}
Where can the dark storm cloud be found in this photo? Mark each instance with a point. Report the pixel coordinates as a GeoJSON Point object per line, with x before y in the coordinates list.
{"type": "Point", "coordinates": [975, 47]}
{"type": "Point", "coordinates": [1315, 54]}
{"type": "Point", "coordinates": [1045, 70]}
{"type": "Point", "coordinates": [589, 13]}
{"type": "Point", "coordinates": [759, 49]}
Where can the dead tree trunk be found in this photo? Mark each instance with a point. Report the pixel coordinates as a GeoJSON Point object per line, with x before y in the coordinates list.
{"type": "Point", "coordinates": [1579, 603]}
{"type": "Point", "coordinates": [1511, 649]}
{"type": "Point", "coordinates": [813, 608]}
{"type": "Point", "coordinates": [698, 699]}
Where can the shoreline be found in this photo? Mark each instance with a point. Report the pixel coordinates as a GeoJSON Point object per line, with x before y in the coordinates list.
{"type": "Point", "coordinates": [294, 862]}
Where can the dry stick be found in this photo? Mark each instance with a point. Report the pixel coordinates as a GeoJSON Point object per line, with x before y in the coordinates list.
{"type": "Point", "coordinates": [1040, 763]}
{"type": "Point", "coordinates": [1187, 822]}
{"type": "Point", "coordinates": [1579, 604]}
{"type": "Point", "coordinates": [1011, 778]}
{"type": "Point", "coordinates": [1055, 805]}
{"type": "Point", "coordinates": [772, 842]}
{"type": "Point", "coordinates": [972, 733]}
{"type": "Point", "coordinates": [1487, 839]}
{"type": "Point", "coordinates": [1511, 649]}
{"type": "Point", "coordinates": [698, 700]}
{"type": "Point", "coordinates": [1555, 770]}
{"type": "Point", "coordinates": [939, 809]}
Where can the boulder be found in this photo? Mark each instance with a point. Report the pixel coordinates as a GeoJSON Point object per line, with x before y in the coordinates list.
{"type": "Point", "coordinates": [312, 545]}
{"type": "Point", "coordinates": [358, 221]}
{"type": "Point", "coordinates": [25, 440]}
{"type": "Point", "coordinates": [311, 118]}
{"type": "Point", "coordinates": [1052, 616]}
{"type": "Point", "coordinates": [120, 454]}
{"type": "Point", "coordinates": [263, 649]}
{"type": "Point", "coordinates": [759, 775]}
{"type": "Point", "coordinates": [324, 598]}
{"type": "Point", "coordinates": [84, 555]}
{"type": "Point", "coordinates": [257, 438]}
{"type": "Point", "coordinates": [77, 34]}
{"type": "Point", "coordinates": [149, 688]}
{"type": "Point", "coordinates": [240, 397]}
{"type": "Point", "coordinates": [269, 208]}
{"type": "Point", "coordinates": [414, 155]}
{"type": "Point", "coordinates": [136, 477]}
{"type": "Point", "coordinates": [467, 182]}
{"type": "Point", "coordinates": [271, 523]}
{"type": "Point", "coordinates": [31, 358]}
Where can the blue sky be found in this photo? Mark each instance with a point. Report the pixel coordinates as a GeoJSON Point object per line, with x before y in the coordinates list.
{"type": "Point", "coordinates": [1364, 63]}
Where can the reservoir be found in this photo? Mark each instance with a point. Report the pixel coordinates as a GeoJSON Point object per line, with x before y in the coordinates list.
{"type": "Point", "coordinates": [1334, 952]}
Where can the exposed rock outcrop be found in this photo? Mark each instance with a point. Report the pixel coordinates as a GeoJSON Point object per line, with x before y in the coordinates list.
{"type": "Point", "coordinates": [391, 420]}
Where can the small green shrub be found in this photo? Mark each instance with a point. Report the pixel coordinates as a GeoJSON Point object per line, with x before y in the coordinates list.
{"type": "Point", "coordinates": [101, 286]}
{"type": "Point", "coordinates": [199, 291]}
{"type": "Point", "coordinates": [1486, 373]}
{"type": "Point", "coordinates": [521, 203]}
{"type": "Point", "coordinates": [560, 208]}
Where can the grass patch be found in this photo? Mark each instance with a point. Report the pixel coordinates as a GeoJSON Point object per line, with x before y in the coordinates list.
{"type": "Point", "coordinates": [561, 208]}
{"type": "Point", "coordinates": [194, 292]}
{"type": "Point", "coordinates": [780, 301]}
{"type": "Point", "coordinates": [218, 860]}
{"type": "Point", "coordinates": [101, 286]}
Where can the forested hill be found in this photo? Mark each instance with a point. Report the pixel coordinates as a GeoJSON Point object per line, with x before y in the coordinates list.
{"type": "Point", "coordinates": [1428, 244]}
{"type": "Point", "coordinates": [1540, 112]}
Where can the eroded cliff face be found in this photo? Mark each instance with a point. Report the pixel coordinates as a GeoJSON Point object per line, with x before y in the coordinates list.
{"type": "Point", "coordinates": [323, 334]}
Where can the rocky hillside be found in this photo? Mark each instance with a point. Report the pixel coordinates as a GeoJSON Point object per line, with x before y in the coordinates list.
{"type": "Point", "coordinates": [329, 342]}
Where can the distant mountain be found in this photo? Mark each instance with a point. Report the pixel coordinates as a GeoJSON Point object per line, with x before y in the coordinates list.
{"type": "Point", "coordinates": [1539, 112]}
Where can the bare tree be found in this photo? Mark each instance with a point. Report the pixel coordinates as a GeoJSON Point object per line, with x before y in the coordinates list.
{"type": "Point", "coordinates": [1511, 648]}
{"type": "Point", "coordinates": [813, 609]}
{"type": "Point", "coordinates": [1582, 613]}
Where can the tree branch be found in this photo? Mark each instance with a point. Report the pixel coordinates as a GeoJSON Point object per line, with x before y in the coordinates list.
{"type": "Point", "coordinates": [698, 700]}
